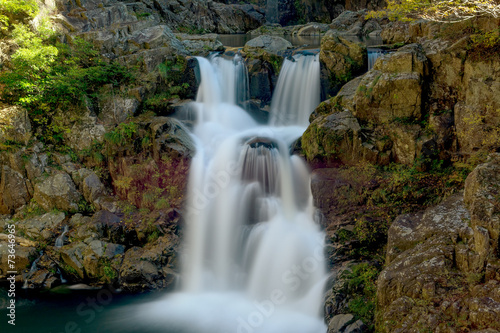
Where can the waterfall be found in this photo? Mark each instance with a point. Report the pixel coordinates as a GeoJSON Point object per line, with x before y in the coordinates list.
{"type": "Point", "coordinates": [32, 270]}
{"type": "Point", "coordinates": [60, 240]}
{"type": "Point", "coordinates": [373, 55]}
{"type": "Point", "coordinates": [297, 91]}
{"type": "Point", "coordinates": [61, 277]}
{"type": "Point", "coordinates": [253, 254]}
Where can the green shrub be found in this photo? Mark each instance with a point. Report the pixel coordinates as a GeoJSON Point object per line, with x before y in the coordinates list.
{"type": "Point", "coordinates": [45, 76]}
{"type": "Point", "coordinates": [16, 10]}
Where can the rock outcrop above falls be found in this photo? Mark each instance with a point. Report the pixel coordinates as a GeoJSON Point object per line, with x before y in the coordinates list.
{"type": "Point", "coordinates": [420, 101]}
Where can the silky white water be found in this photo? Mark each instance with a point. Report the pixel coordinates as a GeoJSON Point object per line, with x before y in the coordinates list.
{"type": "Point", "coordinates": [297, 91]}
{"type": "Point", "coordinates": [253, 254]}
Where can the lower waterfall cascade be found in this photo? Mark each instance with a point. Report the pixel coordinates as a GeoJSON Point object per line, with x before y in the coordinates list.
{"type": "Point", "coordinates": [253, 254]}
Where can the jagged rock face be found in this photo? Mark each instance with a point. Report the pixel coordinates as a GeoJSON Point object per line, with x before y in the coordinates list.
{"type": "Point", "coordinates": [477, 114]}
{"type": "Point", "coordinates": [354, 23]}
{"type": "Point", "coordinates": [482, 190]}
{"type": "Point", "coordinates": [170, 137]}
{"type": "Point", "coordinates": [290, 12]}
{"type": "Point", "coordinates": [127, 18]}
{"type": "Point", "coordinates": [443, 263]}
{"type": "Point", "coordinates": [13, 190]}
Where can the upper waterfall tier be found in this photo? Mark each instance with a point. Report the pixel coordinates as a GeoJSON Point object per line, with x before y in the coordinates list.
{"type": "Point", "coordinates": [298, 91]}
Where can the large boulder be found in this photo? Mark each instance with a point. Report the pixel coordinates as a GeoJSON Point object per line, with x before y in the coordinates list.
{"type": "Point", "coordinates": [14, 124]}
{"type": "Point", "coordinates": [262, 79]}
{"type": "Point", "coordinates": [393, 89]}
{"type": "Point", "coordinates": [72, 257]}
{"type": "Point", "coordinates": [57, 191]}
{"type": "Point", "coordinates": [89, 184]}
{"type": "Point", "coordinates": [151, 267]}
{"type": "Point", "coordinates": [332, 134]}
{"type": "Point", "coordinates": [272, 44]}
{"type": "Point", "coordinates": [115, 109]}
{"type": "Point", "coordinates": [85, 131]}
{"type": "Point", "coordinates": [171, 137]}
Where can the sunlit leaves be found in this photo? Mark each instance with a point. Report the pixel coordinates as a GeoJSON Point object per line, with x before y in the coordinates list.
{"type": "Point", "coordinates": [438, 10]}
{"type": "Point", "coordinates": [12, 10]}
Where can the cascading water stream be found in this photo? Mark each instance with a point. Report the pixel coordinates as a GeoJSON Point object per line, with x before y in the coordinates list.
{"type": "Point", "coordinates": [60, 240]}
{"type": "Point", "coordinates": [373, 55]}
{"type": "Point", "coordinates": [254, 256]}
{"type": "Point", "coordinates": [297, 91]}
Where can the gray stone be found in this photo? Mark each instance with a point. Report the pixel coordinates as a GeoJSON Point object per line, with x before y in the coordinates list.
{"type": "Point", "coordinates": [169, 135]}
{"type": "Point", "coordinates": [89, 184]}
{"type": "Point", "coordinates": [357, 327]}
{"type": "Point", "coordinates": [272, 44]}
{"type": "Point", "coordinates": [115, 109]}
{"type": "Point", "coordinates": [200, 44]}
{"type": "Point", "coordinates": [34, 227]}
{"type": "Point", "coordinates": [58, 192]}
{"type": "Point", "coordinates": [339, 323]}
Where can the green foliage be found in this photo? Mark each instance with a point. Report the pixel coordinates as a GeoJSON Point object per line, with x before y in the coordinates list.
{"type": "Point", "coordinates": [451, 11]}
{"type": "Point", "coordinates": [12, 11]}
{"type": "Point", "coordinates": [484, 45]}
{"type": "Point", "coordinates": [109, 272]}
{"type": "Point", "coordinates": [122, 134]}
{"type": "Point", "coordinates": [69, 270]}
{"type": "Point", "coordinates": [30, 210]}
{"type": "Point", "coordinates": [192, 30]}
{"type": "Point", "coordinates": [300, 8]}
{"type": "Point", "coordinates": [153, 236]}
{"type": "Point", "coordinates": [171, 76]}
{"type": "Point", "coordinates": [142, 15]}
{"type": "Point", "coordinates": [45, 76]}
{"type": "Point", "coordinates": [85, 207]}
{"type": "Point", "coordinates": [360, 284]}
